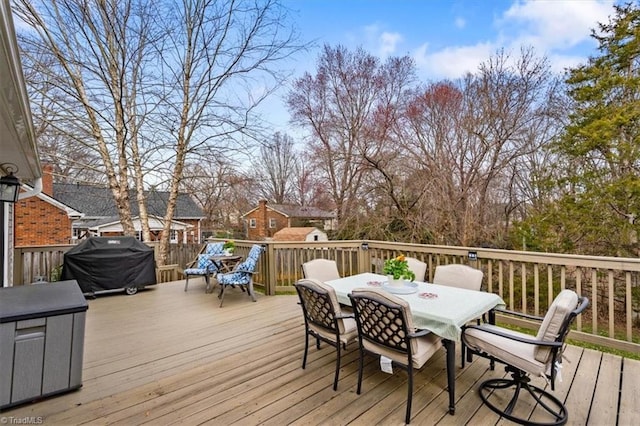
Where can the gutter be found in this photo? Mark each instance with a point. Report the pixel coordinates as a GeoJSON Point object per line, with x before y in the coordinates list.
{"type": "Point", "coordinates": [37, 189]}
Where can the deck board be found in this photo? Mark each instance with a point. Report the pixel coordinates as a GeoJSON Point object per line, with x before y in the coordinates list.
{"type": "Point", "coordinates": [167, 356]}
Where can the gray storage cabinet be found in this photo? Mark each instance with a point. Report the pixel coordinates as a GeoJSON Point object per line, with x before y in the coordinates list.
{"type": "Point", "coordinates": [41, 341]}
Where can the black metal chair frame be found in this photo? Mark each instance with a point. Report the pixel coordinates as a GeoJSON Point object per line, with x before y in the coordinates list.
{"type": "Point", "coordinates": [319, 311]}
{"type": "Point", "coordinates": [520, 380]}
{"type": "Point", "coordinates": [369, 314]}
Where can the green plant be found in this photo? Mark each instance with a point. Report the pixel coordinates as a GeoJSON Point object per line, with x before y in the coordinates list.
{"type": "Point", "coordinates": [399, 268]}
{"type": "Point", "coordinates": [229, 245]}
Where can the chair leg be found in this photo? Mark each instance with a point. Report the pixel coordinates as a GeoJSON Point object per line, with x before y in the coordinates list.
{"type": "Point", "coordinates": [407, 419]}
{"type": "Point", "coordinates": [360, 367]}
{"type": "Point", "coordinates": [207, 280]}
{"type": "Point", "coordinates": [335, 379]}
{"type": "Point", "coordinates": [306, 348]}
{"type": "Point", "coordinates": [250, 290]}
{"type": "Point", "coordinates": [221, 295]}
{"type": "Point", "coordinates": [186, 284]}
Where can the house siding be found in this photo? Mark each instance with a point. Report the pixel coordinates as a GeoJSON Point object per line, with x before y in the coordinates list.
{"type": "Point", "coordinates": [38, 222]}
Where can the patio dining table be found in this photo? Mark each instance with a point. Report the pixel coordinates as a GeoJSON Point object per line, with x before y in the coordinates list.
{"type": "Point", "coordinates": [443, 310]}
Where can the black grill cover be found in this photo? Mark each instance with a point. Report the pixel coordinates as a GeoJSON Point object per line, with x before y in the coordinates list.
{"type": "Point", "coordinates": [109, 263]}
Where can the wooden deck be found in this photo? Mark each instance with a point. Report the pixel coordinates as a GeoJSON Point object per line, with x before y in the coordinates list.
{"type": "Point", "coordinates": [165, 356]}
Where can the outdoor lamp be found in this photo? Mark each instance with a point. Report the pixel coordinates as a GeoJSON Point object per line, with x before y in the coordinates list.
{"type": "Point", "coordinates": [9, 188]}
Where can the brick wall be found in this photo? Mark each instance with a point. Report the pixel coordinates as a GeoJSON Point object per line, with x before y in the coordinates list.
{"type": "Point", "coordinates": [262, 215]}
{"type": "Point", "coordinates": [40, 223]}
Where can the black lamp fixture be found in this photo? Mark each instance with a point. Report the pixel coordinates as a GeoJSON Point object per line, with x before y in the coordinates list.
{"type": "Point", "coordinates": [9, 188]}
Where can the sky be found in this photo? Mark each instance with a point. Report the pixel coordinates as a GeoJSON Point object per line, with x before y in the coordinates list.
{"type": "Point", "coordinates": [446, 38]}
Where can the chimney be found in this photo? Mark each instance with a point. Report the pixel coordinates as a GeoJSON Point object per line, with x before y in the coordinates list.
{"type": "Point", "coordinates": [47, 179]}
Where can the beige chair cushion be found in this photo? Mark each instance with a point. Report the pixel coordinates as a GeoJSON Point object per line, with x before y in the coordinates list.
{"type": "Point", "coordinates": [520, 355]}
{"type": "Point", "coordinates": [461, 276]}
{"type": "Point", "coordinates": [345, 325]}
{"type": "Point", "coordinates": [348, 330]}
{"type": "Point", "coordinates": [418, 267]}
{"type": "Point", "coordinates": [422, 348]}
{"type": "Point", "coordinates": [321, 269]}
{"type": "Point", "coordinates": [565, 302]}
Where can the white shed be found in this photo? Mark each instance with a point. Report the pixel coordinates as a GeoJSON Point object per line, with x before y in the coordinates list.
{"type": "Point", "coordinates": [309, 233]}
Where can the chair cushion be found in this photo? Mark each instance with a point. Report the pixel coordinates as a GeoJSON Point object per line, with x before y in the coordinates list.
{"type": "Point", "coordinates": [213, 248]}
{"type": "Point", "coordinates": [234, 278]}
{"type": "Point", "coordinates": [348, 331]}
{"type": "Point", "coordinates": [388, 298]}
{"type": "Point", "coordinates": [461, 276]}
{"type": "Point", "coordinates": [196, 271]}
{"type": "Point", "coordinates": [204, 261]}
{"type": "Point", "coordinates": [520, 355]}
{"type": "Point", "coordinates": [424, 346]}
{"type": "Point", "coordinates": [562, 305]}
{"type": "Point", "coordinates": [321, 270]}
{"type": "Point", "coordinates": [319, 286]}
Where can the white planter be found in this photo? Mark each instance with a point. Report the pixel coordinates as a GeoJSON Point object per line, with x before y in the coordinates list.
{"type": "Point", "coordinates": [228, 252]}
{"type": "Point", "coordinates": [395, 283]}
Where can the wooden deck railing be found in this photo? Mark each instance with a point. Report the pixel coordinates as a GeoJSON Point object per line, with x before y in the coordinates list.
{"type": "Point", "coordinates": [527, 281]}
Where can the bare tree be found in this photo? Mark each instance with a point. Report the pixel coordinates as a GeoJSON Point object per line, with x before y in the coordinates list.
{"type": "Point", "coordinates": [151, 85]}
{"type": "Point", "coordinates": [274, 168]}
{"type": "Point", "coordinates": [339, 106]}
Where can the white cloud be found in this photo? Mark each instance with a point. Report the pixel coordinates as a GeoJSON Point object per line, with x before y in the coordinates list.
{"type": "Point", "coordinates": [388, 42]}
{"type": "Point", "coordinates": [460, 22]}
{"type": "Point", "coordinates": [452, 62]}
{"type": "Point", "coordinates": [553, 28]}
{"type": "Point", "coordinates": [553, 25]}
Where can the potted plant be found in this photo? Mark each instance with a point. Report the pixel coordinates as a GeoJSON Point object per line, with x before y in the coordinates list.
{"type": "Point", "coordinates": [229, 246]}
{"type": "Point", "coordinates": [397, 270]}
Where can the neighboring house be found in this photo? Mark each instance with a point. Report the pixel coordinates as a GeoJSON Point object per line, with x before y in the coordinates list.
{"type": "Point", "coordinates": [306, 233]}
{"type": "Point", "coordinates": [18, 149]}
{"type": "Point", "coordinates": [265, 220]}
{"type": "Point", "coordinates": [64, 213]}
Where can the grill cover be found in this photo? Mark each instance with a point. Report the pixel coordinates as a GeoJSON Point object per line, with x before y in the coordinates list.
{"type": "Point", "coordinates": [110, 263]}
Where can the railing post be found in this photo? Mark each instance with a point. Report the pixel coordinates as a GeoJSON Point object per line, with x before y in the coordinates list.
{"type": "Point", "coordinates": [270, 273]}
{"type": "Point", "coordinates": [364, 258]}
{"type": "Point", "coordinates": [18, 261]}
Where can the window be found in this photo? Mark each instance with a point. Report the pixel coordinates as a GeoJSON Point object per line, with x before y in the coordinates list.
{"type": "Point", "coordinates": [272, 222]}
{"type": "Point", "coordinates": [173, 236]}
{"type": "Point", "coordinates": [76, 233]}
{"type": "Point", "coordinates": [252, 223]}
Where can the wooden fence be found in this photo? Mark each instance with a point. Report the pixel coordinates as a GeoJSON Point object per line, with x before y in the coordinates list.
{"type": "Point", "coordinates": [527, 281]}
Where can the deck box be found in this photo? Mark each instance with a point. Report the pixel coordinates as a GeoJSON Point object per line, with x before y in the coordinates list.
{"type": "Point", "coordinates": [41, 341]}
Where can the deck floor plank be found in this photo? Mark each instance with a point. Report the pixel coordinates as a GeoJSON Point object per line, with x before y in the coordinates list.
{"type": "Point", "coordinates": [168, 356]}
{"type": "Point", "coordinates": [605, 403]}
{"type": "Point", "coordinates": [630, 393]}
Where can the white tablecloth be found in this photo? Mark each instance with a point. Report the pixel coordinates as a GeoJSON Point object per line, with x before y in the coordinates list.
{"type": "Point", "coordinates": [443, 314]}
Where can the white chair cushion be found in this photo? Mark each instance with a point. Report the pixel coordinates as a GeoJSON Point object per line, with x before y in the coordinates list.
{"type": "Point", "coordinates": [562, 305]}
{"type": "Point", "coordinates": [319, 286]}
{"type": "Point", "coordinates": [461, 276]}
{"type": "Point", "coordinates": [349, 334]}
{"type": "Point", "coordinates": [421, 348]}
{"type": "Point", "coordinates": [418, 267]}
{"type": "Point", "coordinates": [321, 270]}
{"type": "Point", "coordinates": [520, 355]}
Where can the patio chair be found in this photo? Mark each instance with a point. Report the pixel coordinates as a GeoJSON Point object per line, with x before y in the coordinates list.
{"type": "Point", "coordinates": [321, 269]}
{"type": "Point", "coordinates": [203, 266]}
{"type": "Point", "coordinates": [461, 276]}
{"type": "Point", "coordinates": [242, 274]}
{"type": "Point", "coordinates": [456, 275]}
{"type": "Point", "coordinates": [324, 320]}
{"type": "Point", "coordinates": [418, 267]}
{"type": "Point", "coordinates": [385, 328]}
{"type": "Point", "coordinates": [525, 356]}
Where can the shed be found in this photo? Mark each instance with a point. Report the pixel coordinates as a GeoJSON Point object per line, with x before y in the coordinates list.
{"type": "Point", "coordinates": [307, 233]}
